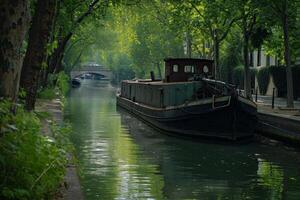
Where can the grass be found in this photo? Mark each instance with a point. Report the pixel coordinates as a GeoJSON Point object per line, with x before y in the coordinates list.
{"type": "Point", "coordinates": [32, 166]}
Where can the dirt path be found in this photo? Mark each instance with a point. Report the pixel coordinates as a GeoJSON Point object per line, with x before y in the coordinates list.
{"type": "Point", "coordinates": [71, 188]}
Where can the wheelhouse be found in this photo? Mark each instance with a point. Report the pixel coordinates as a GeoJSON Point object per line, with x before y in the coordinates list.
{"type": "Point", "coordinates": [185, 69]}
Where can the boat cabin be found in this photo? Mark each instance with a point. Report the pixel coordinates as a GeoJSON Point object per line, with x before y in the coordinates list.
{"type": "Point", "coordinates": [181, 84]}
{"type": "Point", "coordinates": [186, 69]}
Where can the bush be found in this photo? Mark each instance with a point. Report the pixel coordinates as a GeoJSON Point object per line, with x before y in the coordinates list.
{"type": "Point", "coordinates": [61, 87]}
{"type": "Point", "coordinates": [63, 83]}
{"type": "Point", "coordinates": [296, 80]}
{"type": "Point", "coordinates": [238, 76]}
{"type": "Point", "coordinates": [279, 77]}
{"type": "Point", "coordinates": [32, 166]}
{"type": "Point", "coordinates": [47, 93]}
{"type": "Point", "coordinates": [122, 74]}
{"type": "Point", "coordinates": [263, 78]}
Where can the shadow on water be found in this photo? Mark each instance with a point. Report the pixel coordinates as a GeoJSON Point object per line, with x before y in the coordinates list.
{"type": "Point", "coordinates": [122, 158]}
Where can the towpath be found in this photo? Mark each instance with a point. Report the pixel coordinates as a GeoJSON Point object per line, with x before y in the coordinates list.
{"type": "Point", "coordinates": [71, 189]}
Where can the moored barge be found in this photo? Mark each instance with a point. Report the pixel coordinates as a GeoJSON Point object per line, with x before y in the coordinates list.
{"type": "Point", "coordinates": [189, 102]}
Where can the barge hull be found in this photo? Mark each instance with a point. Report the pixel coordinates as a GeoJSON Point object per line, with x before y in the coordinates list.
{"type": "Point", "coordinates": [235, 121]}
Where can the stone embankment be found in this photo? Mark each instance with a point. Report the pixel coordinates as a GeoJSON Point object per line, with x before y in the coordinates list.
{"type": "Point", "coordinates": [279, 123]}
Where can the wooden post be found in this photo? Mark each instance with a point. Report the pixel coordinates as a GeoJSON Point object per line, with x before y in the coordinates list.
{"type": "Point", "coordinates": [256, 94]}
{"type": "Point", "coordinates": [273, 98]}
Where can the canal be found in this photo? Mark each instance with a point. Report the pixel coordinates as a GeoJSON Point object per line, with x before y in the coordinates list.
{"type": "Point", "coordinates": [122, 158]}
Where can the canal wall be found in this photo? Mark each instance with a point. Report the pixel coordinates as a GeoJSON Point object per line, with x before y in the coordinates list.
{"type": "Point", "coordinates": [285, 128]}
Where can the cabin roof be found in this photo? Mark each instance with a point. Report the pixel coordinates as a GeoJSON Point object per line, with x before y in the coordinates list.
{"type": "Point", "coordinates": [187, 59]}
{"type": "Point", "coordinates": [149, 82]}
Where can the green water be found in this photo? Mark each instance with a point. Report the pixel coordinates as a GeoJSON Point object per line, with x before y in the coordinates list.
{"type": "Point", "coordinates": [122, 158]}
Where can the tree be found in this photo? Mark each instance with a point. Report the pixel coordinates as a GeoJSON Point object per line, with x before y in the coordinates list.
{"type": "Point", "coordinates": [289, 75]}
{"type": "Point", "coordinates": [231, 54]}
{"type": "Point", "coordinates": [248, 21]}
{"type": "Point", "coordinates": [14, 17]}
{"type": "Point", "coordinates": [248, 13]}
{"type": "Point", "coordinates": [65, 35]}
{"type": "Point", "coordinates": [283, 13]}
{"type": "Point", "coordinates": [145, 35]}
{"type": "Point", "coordinates": [217, 25]}
{"type": "Point", "coordinates": [37, 49]}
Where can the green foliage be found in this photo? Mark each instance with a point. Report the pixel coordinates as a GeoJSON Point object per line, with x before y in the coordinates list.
{"type": "Point", "coordinates": [42, 115]}
{"type": "Point", "coordinates": [58, 85]}
{"type": "Point", "coordinates": [47, 93]}
{"type": "Point", "coordinates": [231, 57]}
{"type": "Point", "coordinates": [137, 37]}
{"type": "Point", "coordinates": [258, 36]}
{"type": "Point", "coordinates": [263, 78]}
{"type": "Point", "coordinates": [296, 80]}
{"type": "Point", "coordinates": [279, 77]}
{"type": "Point", "coordinates": [238, 76]}
{"type": "Point", "coordinates": [121, 67]}
{"type": "Point", "coordinates": [63, 83]}
{"type": "Point", "coordinates": [32, 166]}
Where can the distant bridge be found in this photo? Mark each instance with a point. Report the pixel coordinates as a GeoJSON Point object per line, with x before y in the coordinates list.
{"type": "Point", "coordinates": [92, 69]}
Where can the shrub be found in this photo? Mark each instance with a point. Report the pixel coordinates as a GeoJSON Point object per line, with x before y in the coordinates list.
{"type": "Point", "coordinates": [279, 77]}
{"type": "Point", "coordinates": [238, 76]}
{"type": "Point", "coordinates": [296, 80]}
{"type": "Point", "coordinates": [47, 93]}
{"type": "Point", "coordinates": [263, 78]}
{"type": "Point", "coordinates": [60, 87]}
{"type": "Point", "coordinates": [32, 166]}
{"type": "Point", "coordinates": [63, 83]}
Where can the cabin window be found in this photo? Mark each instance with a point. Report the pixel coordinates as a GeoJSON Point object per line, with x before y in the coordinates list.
{"type": "Point", "coordinates": [175, 68]}
{"type": "Point", "coordinates": [205, 69]}
{"type": "Point", "coordinates": [189, 69]}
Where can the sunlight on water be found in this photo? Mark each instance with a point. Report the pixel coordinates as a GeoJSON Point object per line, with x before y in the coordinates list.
{"type": "Point", "coordinates": [122, 158]}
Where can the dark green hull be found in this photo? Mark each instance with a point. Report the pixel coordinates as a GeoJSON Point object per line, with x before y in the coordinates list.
{"type": "Point", "coordinates": [229, 118]}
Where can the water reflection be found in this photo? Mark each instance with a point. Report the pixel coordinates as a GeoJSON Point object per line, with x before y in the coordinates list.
{"type": "Point", "coordinates": [122, 158]}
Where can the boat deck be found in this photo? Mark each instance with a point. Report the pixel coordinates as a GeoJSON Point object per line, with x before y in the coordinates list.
{"type": "Point", "coordinates": [149, 82]}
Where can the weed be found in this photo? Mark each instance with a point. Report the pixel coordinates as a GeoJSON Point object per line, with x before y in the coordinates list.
{"type": "Point", "coordinates": [32, 166]}
{"type": "Point", "coordinates": [47, 93]}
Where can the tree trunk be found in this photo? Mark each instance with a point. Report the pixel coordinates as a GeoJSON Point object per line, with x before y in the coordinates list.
{"type": "Point", "coordinates": [289, 75]}
{"type": "Point", "coordinates": [14, 17]}
{"type": "Point", "coordinates": [188, 41]}
{"type": "Point", "coordinates": [37, 49]}
{"type": "Point", "coordinates": [217, 58]}
{"type": "Point", "coordinates": [203, 49]}
{"type": "Point", "coordinates": [57, 56]}
{"type": "Point", "coordinates": [55, 60]}
{"type": "Point", "coordinates": [159, 70]}
{"type": "Point", "coordinates": [247, 75]}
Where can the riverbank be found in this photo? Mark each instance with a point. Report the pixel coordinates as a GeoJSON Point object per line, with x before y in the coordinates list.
{"type": "Point", "coordinates": [279, 123]}
{"type": "Point", "coordinates": [70, 189]}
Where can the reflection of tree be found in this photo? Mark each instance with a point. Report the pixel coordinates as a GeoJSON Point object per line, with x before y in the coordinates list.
{"type": "Point", "coordinates": [194, 170]}
{"type": "Point", "coordinates": [122, 157]}
{"type": "Point", "coordinates": [112, 165]}
{"type": "Point", "coordinates": [271, 177]}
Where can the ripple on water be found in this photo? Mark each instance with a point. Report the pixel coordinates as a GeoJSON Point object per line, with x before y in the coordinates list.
{"type": "Point", "coordinates": [122, 158]}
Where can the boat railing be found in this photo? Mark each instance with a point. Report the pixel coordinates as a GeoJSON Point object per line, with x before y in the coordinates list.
{"type": "Point", "coordinates": [222, 106]}
{"type": "Point", "coordinates": [225, 88]}
{"type": "Point", "coordinates": [231, 86]}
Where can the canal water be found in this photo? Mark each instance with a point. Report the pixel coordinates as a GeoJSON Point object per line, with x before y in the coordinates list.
{"type": "Point", "coordinates": [122, 158]}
